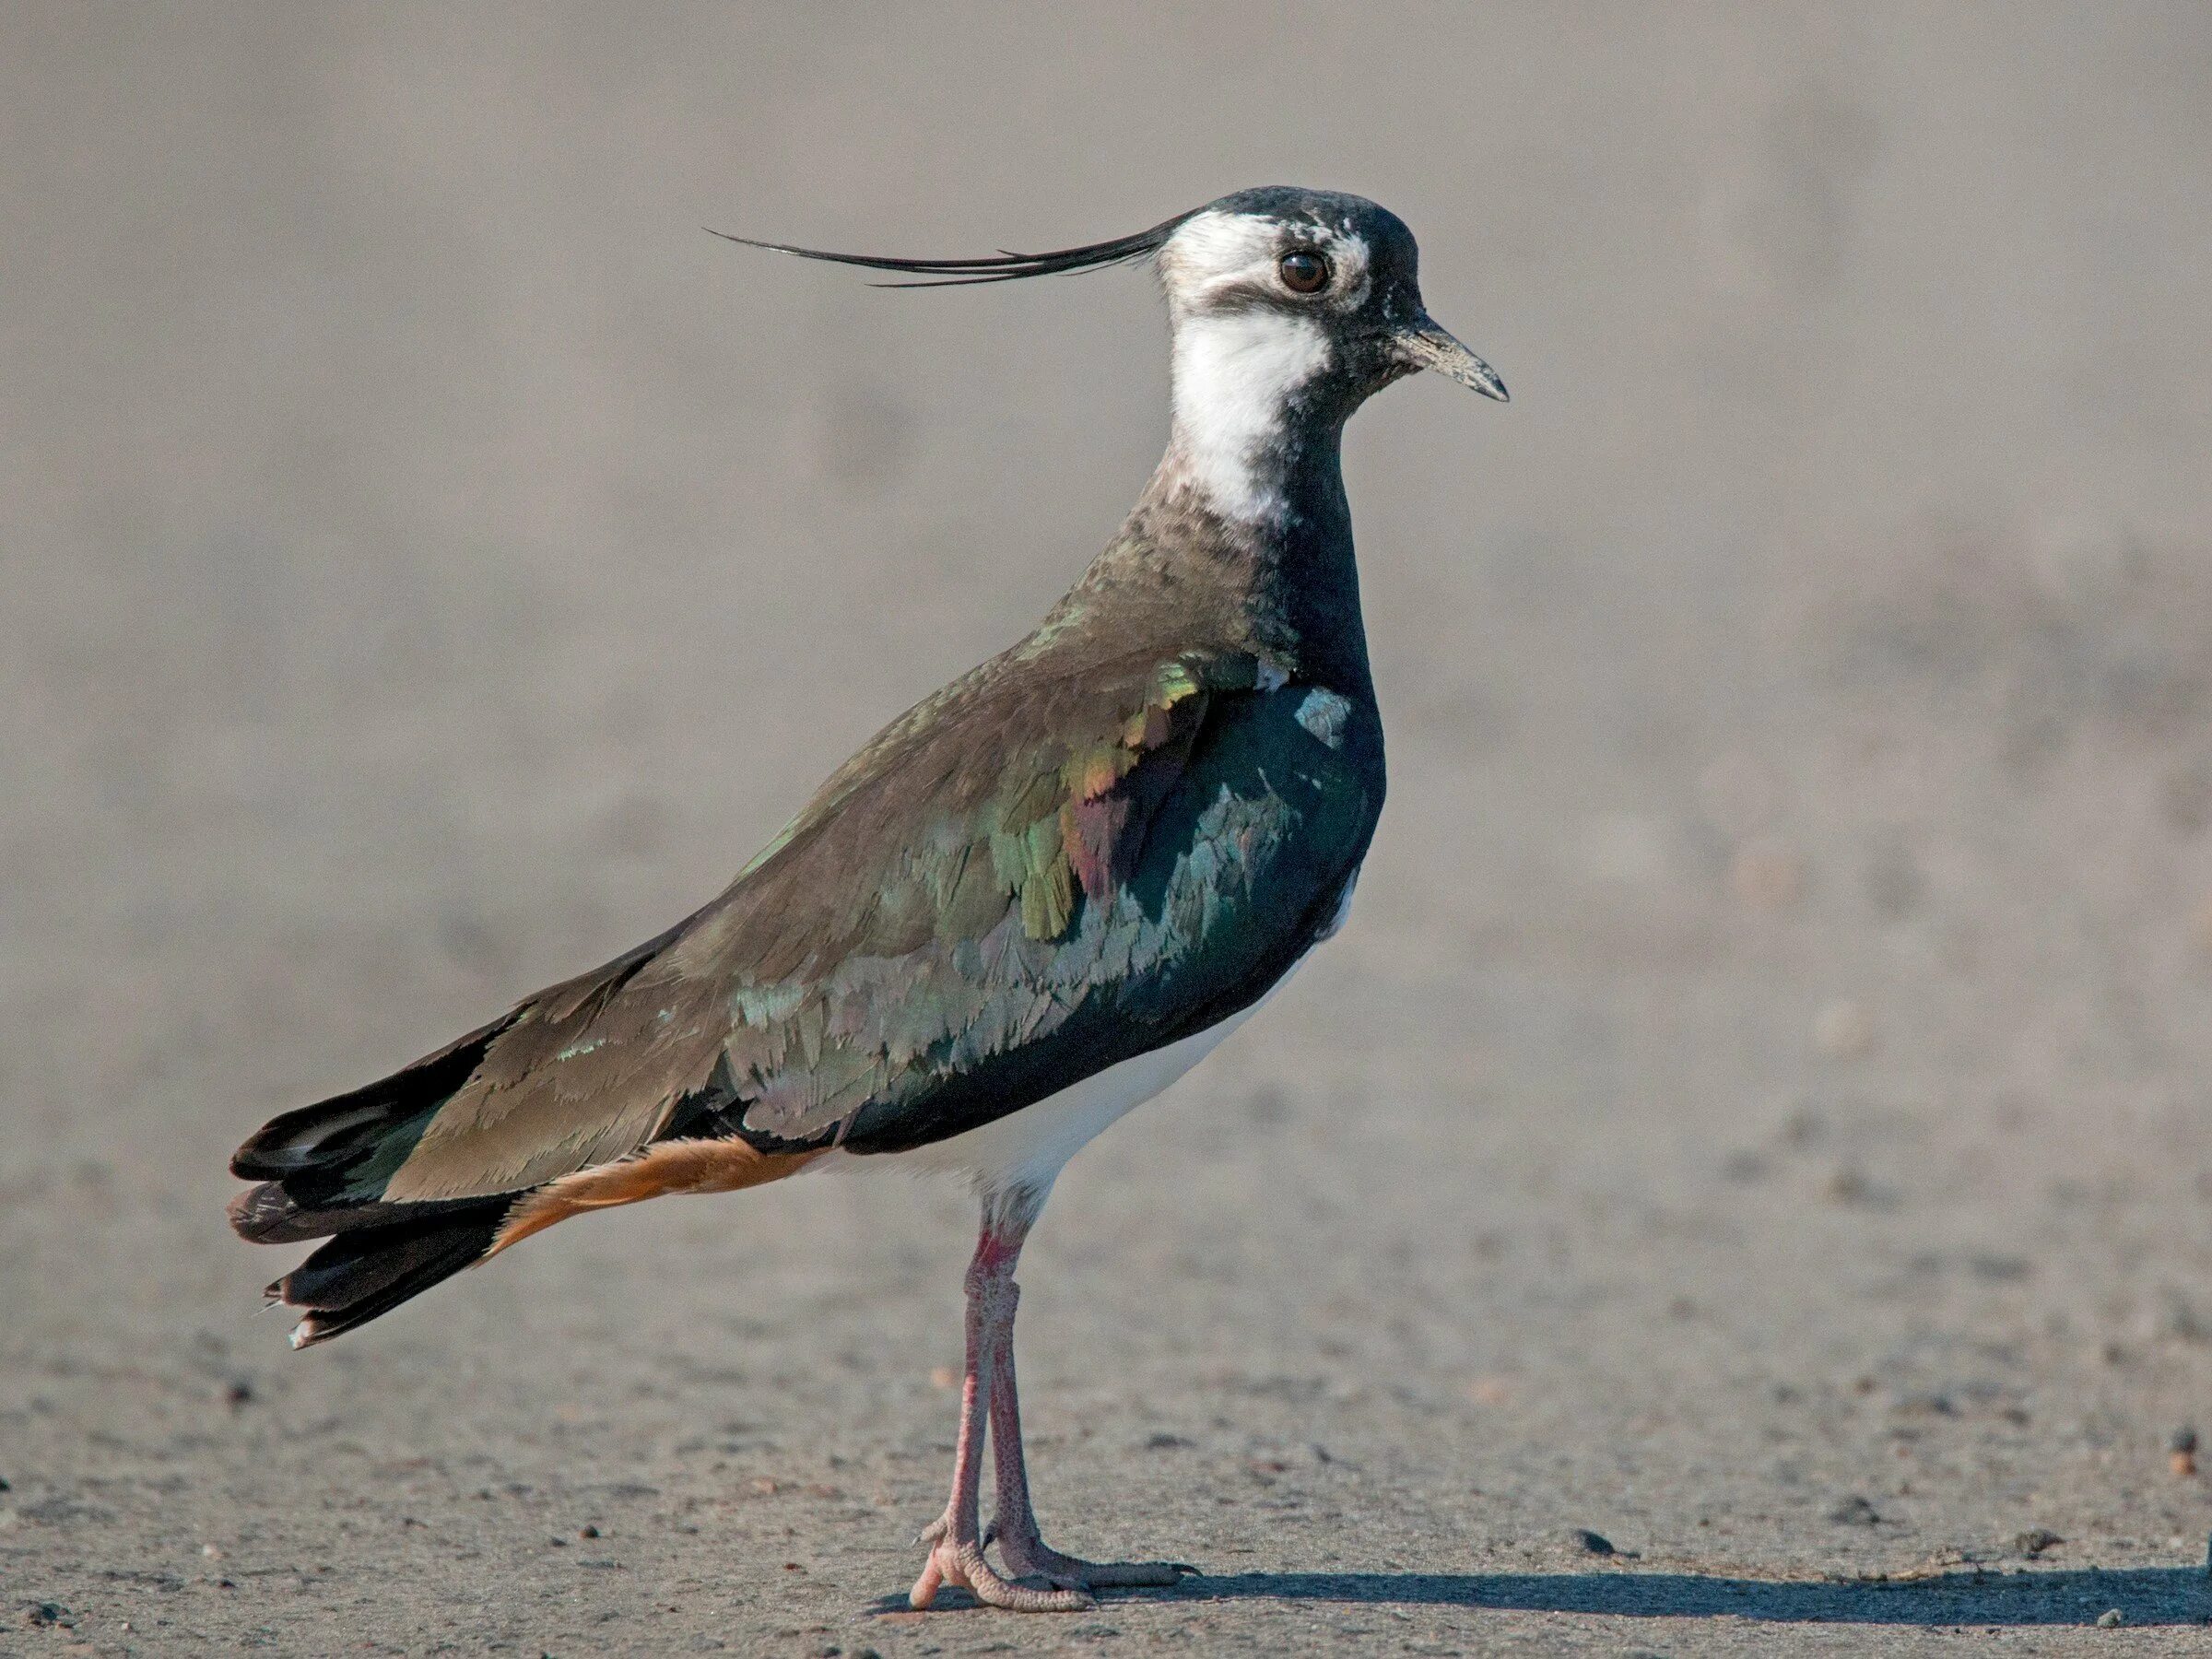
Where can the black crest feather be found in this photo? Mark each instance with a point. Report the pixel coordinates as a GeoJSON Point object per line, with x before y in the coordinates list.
{"type": "Point", "coordinates": [1002, 266]}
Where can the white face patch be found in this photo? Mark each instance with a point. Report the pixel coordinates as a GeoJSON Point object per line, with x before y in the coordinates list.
{"type": "Point", "coordinates": [1234, 374]}
{"type": "Point", "coordinates": [1215, 251]}
{"type": "Point", "coordinates": [1236, 365]}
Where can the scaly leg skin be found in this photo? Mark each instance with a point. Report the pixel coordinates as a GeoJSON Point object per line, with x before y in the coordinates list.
{"type": "Point", "coordinates": [955, 1553]}
{"type": "Point", "coordinates": [1027, 1554]}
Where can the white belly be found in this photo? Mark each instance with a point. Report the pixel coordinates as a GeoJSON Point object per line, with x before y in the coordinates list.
{"type": "Point", "coordinates": [1028, 1148]}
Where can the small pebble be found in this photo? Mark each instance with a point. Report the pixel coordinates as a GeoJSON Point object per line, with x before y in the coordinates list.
{"type": "Point", "coordinates": [1767, 874]}
{"type": "Point", "coordinates": [1595, 1543]}
{"type": "Point", "coordinates": [1745, 1167]}
{"type": "Point", "coordinates": [2111, 1618]}
{"type": "Point", "coordinates": [2035, 1542]}
{"type": "Point", "coordinates": [2186, 801]}
{"type": "Point", "coordinates": [1848, 1185]}
{"type": "Point", "coordinates": [1489, 1391]}
{"type": "Point", "coordinates": [1893, 882]}
{"type": "Point", "coordinates": [1926, 1405]}
{"type": "Point", "coordinates": [1843, 1030]}
{"type": "Point", "coordinates": [1737, 793]}
{"type": "Point", "coordinates": [1854, 1511]}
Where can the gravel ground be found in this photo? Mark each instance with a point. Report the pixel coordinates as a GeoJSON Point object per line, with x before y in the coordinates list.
{"type": "Point", "coordinates": [1739, 1185]}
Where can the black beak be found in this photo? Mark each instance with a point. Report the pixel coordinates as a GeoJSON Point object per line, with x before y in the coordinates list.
{"type": "Point", "coordinates": [1426, 344]}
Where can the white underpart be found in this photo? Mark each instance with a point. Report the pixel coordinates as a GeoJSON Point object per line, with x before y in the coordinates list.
{"type": "Point", "coordinates": [1030, 1148]}
{"type": "Point", "coordinates": [1027, 1148]}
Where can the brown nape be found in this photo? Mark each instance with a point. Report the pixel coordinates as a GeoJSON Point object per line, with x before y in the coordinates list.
{"type": "Point", "coordinates": [681, 1166]}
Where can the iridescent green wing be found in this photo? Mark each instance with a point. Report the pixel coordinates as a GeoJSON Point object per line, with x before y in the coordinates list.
{"type": "Point", "coordinates": [1106, 897]}
{"type": "Point", "coordinates": [1025, 879]}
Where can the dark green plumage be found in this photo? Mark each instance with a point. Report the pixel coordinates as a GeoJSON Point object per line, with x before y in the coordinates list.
{"type": "Point", "coordinates": [1121, 845]}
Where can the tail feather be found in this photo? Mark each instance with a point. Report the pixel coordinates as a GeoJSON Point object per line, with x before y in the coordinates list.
{"type": "Point", "coordinates": [358, 1276]}
{"type": "Point", "coordinates": [267, 1214]}
{"type": "Point", "coordinates": [333, 1138]}
{"type": "Point", "coordinates": [322, 1170]}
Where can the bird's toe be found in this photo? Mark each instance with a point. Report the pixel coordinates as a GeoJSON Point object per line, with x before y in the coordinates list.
{"type": "Point", "coordinates": [1032, 1557]}
{"type": "Point", "coordinates": [962, 1564]}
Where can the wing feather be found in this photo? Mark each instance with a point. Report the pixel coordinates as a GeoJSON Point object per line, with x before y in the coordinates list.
{"type": "Point", "coordinates": [885, 924]}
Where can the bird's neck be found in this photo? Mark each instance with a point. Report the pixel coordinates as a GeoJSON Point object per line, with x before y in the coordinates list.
{"type": "Point", "coordinates": [1196, 565]}
{"type": "Point", "coordinates": [1250, 494]}
{"type": "Point", "coordinates": [1241, 392]}
{"type": "Point", "coordinates": [1243, 540]}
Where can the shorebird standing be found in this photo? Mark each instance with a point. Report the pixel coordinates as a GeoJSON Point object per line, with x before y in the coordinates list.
{"type": "Point", "coordinates": [1031, 902]}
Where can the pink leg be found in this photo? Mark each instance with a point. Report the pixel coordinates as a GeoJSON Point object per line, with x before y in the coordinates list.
{"type": "Point", "coordinates": [956, 1540]}
{"type": "Point", "coordinates": [1027, 1554]}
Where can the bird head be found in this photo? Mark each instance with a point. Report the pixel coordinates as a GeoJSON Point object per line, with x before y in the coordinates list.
{"type": "Point", "coordinates": [1326, 284]}
{"type": "Point", "coordinates": [1289, 309]}
{"type": "Point", "coordinates": [1336, 272]}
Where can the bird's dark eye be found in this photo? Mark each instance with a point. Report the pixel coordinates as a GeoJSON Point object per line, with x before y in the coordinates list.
{"type": "Point", "coordinates": [1303, 270]}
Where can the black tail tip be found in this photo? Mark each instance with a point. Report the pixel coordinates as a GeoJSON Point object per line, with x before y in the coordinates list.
{"type": "Point", "coordinates": [358, 1276]}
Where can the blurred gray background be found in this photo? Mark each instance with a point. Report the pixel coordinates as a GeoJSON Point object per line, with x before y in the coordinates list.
{"type": "Point", "coordinates": [1768, 1071]}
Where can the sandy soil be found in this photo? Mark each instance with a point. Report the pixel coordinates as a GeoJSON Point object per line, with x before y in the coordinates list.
{"type": "Point", "coordinates": [1757, 1115]}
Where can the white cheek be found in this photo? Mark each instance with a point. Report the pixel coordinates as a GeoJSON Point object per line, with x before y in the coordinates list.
{"type": "Point", "coordinates": [1211, 251]}
{"type": "Point", "coordinates": [1233, 375]}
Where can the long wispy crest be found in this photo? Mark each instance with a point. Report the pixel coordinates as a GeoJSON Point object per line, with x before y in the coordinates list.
{"type": "Point", "coordinates": [1002, 266]}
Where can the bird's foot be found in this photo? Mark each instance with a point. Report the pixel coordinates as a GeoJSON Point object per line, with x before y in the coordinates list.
{"type": "Point", "coordinates": [960, 1561]}
{"type": "Point", "coordinates": [1027, 1556]}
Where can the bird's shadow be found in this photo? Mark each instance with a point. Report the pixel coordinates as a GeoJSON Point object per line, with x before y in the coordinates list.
{"type": "Point", "coordinates": [2144, 1595]}
{"type": "Point", "coordinates": [2148, 1596]}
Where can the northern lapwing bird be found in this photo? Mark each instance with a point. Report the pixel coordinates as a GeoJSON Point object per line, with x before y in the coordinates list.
{"type": "Point", "coordinates": [1031, 902]}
